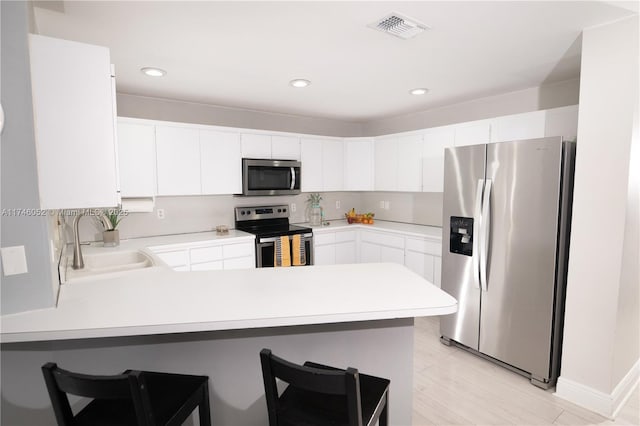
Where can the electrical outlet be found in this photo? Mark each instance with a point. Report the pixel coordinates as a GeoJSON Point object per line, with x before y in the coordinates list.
{"type": "Point", "coordinates": [387, 206]}
{"type": "Point", "coordinates": [382, 204]}
{"type": "Point", "coordinates": [293, 207]}
{"type": "Point", "coordinates": [337, 204]}
{"type": "Point", "coordinates": [160, 213]}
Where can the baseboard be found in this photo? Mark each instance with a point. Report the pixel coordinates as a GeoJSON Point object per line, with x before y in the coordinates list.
{"type": "Point", "coordinates": [602, 403]}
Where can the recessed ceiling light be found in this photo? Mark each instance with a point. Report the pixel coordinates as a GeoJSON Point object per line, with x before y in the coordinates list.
{"type": "Point", "coordinates": [153, 72]}
{"type": "Point", "coordinates": [419, 91]}
{"type": "Point", "coordinates": [299, 82]}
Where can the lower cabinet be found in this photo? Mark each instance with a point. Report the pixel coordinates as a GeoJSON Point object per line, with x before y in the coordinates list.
{"type": "Point", "coordinates": [421, 255]}
{"type": "Point", "coordinates": [201, 257]}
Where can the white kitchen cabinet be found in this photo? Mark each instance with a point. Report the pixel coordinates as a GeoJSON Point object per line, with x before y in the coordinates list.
{"type": "Point", "coordinates": [332, 165]}
{"type": "Point", "coordinates": [381, 247]}
{"type": "Point", "coordinates": [324, 254]}
{"type": "Point", "coordinates": [528, 125]}
{"type": "Point", "coordinates": [562, 121]}
{"type": "Point", "coordinates": [423, 257]}
{"type": "Point", "coordinates": [256, 145]}
{"type": "Point", "coordinates": [409, 163]}
{"type": "Point", "coordinates": [473, 133]}
{"type": "Point", "coordinates": [358, 164]}
{"type": "Point", "coordinates": [174, 258]}
{"type": "Point", "coordinates": [311, 154]}
{"type": "Point", "coordinates": [435, 141]}
{"type": "Point", "coordinates": [332, 248]}
{"type": "Point", "coordinates": [420, 263]}
{"type": "Point", "coordinates": [136, 158]}
{"type": "Point", "coordinates": [386, 164]}
{"type": "Point", "coordinates": [220, 162]}
{"type": "Point", "coordinates": [178, 160]}
{"type": "Point", "coordinates": [74, 123]}
{"type": "Point", "coordinates": [437, 271]}
{"type": "Point", "coordinates": [285, 148]}
{"type": "Point", "coordinates": [208, 256]}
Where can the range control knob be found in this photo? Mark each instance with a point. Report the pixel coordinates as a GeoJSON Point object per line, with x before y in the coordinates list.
{"type": "Point", "coordinates": [284, 210]}
{"type": "Point", "coordinates": [242, 212]}
{"type": "Point", "coordinates": [279, 210]}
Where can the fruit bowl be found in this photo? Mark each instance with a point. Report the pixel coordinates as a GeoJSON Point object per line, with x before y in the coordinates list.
{"type": "Point", "coordinates": [366, 218]}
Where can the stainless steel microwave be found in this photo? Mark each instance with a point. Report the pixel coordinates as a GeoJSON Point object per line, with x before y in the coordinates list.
{"type": "Point", "coordinates": [270, 177]}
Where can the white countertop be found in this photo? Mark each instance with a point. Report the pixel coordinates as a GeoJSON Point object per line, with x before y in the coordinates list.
{"type": "Point", "coordinates": [160, 300]}
{"type": "Point", "coordinates": [409, 229]}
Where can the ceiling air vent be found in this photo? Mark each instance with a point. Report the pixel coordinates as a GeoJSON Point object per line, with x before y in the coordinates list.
{"type": "Point", "coordinates": [399, 26]}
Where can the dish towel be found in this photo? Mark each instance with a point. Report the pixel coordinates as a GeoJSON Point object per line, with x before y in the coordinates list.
{"type": "Point", "coordinates": [282, 252]}
{"type": "Point", "coordinates": [298, 252]}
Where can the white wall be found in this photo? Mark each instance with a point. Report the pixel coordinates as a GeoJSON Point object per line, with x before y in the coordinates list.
{"type": "Point", "coordinates": [19, 190]}
{"type": "Point", "coordinates": [188, 112]}
{"type": "Point", "coordinates": [547, 96]}
{"type": "Point", "coordinates": [598, 349]}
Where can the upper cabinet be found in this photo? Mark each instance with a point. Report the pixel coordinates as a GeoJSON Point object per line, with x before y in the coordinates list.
{"type": "Point", "coordinates": [410, 163]}
{"type": "Point", "coordinates": [332, 165]}
{"type": "Point", "coordinates": [311, 150]}
{"type": "Point", "coordinates": [436, 140]}
{"type": "Point", "coordinates": [322, 164]}
{"type": "Point", "coordinates": [178, 160]}
{"type": "Point", "coordinates": [136, 159]}
{"type": "Point", "coordinates": [74, 123]}
{"type": "Point", "coordinates": [358, 164]}
{"type": "Point", "coordinates": [529, 125]}
{"type": "Point", "coordinates": [386, 164]}
{"type": "Point", "coordinates": [277, 147]}
{"type": "Point", "coordinates": [220, 162]}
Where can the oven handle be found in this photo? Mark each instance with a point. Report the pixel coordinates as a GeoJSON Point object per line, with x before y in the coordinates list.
{"type": "Point", "coordinates": [273, 239]}
{"type": "Point", "coordinates": [293, 178]}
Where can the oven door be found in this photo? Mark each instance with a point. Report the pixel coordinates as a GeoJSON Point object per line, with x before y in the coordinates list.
{"type": "Point", "coordinates": [266, 246]}
{"type": "Point", "coordinates": [270, 177]}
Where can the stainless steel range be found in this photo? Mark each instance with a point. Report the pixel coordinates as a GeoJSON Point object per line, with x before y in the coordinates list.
{"type": "Point", "coordinates": [268, 224]}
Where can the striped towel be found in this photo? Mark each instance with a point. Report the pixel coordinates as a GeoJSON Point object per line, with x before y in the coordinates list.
{"type": "Point", "coordinates": [282, 252]}
{"type": "Point", "coordinates": [299, 254]}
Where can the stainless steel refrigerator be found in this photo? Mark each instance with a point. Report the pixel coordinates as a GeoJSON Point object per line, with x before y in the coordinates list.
{"type": "Point", "coordinates": [506, 219]}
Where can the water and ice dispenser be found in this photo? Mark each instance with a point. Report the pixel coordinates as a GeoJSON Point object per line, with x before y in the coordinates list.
{"type": "Point", "coordinates": [461, 235]}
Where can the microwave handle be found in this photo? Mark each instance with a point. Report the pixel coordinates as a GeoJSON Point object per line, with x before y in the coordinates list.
{"type": "Point", "coordinates": [293, 178]}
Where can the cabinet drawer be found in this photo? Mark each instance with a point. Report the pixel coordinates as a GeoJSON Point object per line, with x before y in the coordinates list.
{"type": "Point", "coordinates": [238, 250]}
{"type": "Point", "coordinates": [206, 254]}
{"type": "Point", "coordinates": [207, 266]}
{"type": "Point", "coordinates": [424, 246]}
{"type": "Point", "coordinates": [174, 258]}
{"type": "Point", "coordinates": [383, 239]}
{"type": "Point", "coordinates": [345, 236]}
{"type": "Point", "coordinates": [324, 238]}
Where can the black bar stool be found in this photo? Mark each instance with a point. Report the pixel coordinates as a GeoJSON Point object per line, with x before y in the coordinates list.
{"type": "Point", "coordinates": [140, 398]}
{"type": "Point", "coordinates": [322, 395]}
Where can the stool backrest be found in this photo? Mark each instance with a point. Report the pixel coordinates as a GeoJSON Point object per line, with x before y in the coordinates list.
{"type": "Point", "coordinates": [310, 377]}
{"type": "Point", "coordinates": [127, 386]}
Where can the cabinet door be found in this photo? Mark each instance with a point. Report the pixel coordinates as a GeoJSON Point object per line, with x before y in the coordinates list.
{"type": "Point", "coordinates": [345, 252]}
{"type": "Point", "coordinates": [220, 162]}
{"type": "Point", "coordinates": [311, 150]}
{"type": "Point", "coordinates": [358, 164]}
{"type": "Point", "coordinates": [434, 143]}
{"type": "Point", "coordinates": [391, 254]}
{"type": "Point", "coordinates": [386, 164]}
{"type": "Point", "coordinates": [332, 165]}
{"type": "Point", "coordinates": [369, 252]}
{"type": "Point", "coordinates": [410, 163]}
{"type": "Point", "coordinates": [256, 146]}
{"type": "Point", "coordinates": [285, 148]}
{"type": "Point", "coordinates": [136, 157]}
{"type": "Point", "coordinates": [529, 125]}
{"type": "Point", "coordinates": [247, 262]}
{"type": "Point", "coordinates": [74, 117]}
{"type": "Point", "coordinates": [178, 160]}
{"type": "Point", "coordinates": [473, 133]}
{"type": "Point", "coordinates": [437, 270]}
{"type": "Point", "coordinates": [208, 266]}
{"type": "Point", "coordinates": [420, 263]}
{"type": "Point", "coordinates": [324, 255]}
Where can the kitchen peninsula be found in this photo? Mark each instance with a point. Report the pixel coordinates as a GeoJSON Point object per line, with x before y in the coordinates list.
{"type": "Point", "coordinates": [215, 323]}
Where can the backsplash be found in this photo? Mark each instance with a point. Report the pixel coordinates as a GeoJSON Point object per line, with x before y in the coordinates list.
{"type": "Point", "coordinates": [203, 213]}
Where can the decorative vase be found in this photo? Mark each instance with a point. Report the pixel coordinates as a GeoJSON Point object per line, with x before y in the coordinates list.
{"type": "Point", "coordinates": [315, 214]}
{"type": "Point", "coordinates": [111, 238]}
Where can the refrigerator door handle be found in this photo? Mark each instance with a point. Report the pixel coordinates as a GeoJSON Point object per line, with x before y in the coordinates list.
{"type": "Point", "coordinates": [485, 229]}
{"type": "Point", "coordinates": [477, 230]}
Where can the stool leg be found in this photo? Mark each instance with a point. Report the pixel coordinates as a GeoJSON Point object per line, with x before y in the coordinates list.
{"type": "Point", "coordinates": [384, 416]}
{"type": "Point", "coordinates": [204, 411]}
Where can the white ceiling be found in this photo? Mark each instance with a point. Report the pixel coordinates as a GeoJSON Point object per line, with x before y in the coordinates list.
{"type": "Point", "coordinates": [243, 54]}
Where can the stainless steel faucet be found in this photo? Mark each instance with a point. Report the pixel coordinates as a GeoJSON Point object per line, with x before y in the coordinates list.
{"type": "Point", "coordinates": [78, 261]}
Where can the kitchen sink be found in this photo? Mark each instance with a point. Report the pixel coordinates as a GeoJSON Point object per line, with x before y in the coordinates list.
{"type": "Point", "coordinates": [98, 264]}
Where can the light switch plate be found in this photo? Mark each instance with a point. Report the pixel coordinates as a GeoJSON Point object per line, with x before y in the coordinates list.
{"type": "Point", "coordinates": [14, 260]}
